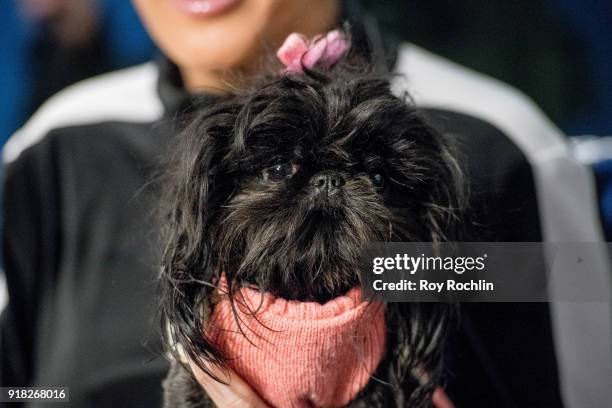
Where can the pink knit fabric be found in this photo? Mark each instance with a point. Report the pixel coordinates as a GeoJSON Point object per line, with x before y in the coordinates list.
{"type": "Point", "coordinates": [301, 354]}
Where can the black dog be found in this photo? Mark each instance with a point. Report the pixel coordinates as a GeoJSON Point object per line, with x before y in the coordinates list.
{"type": "Point", "coordinates": [280, 187]}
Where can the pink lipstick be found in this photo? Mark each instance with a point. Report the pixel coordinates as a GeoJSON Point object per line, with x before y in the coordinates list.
{"type": "Point", "coordinates": [204, 8]}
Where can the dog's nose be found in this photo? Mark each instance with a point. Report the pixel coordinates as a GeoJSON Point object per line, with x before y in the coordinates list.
{"type": "Point", "coordinates": [327, 182]}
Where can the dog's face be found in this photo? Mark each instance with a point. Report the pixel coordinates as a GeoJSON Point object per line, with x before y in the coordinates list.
{"type": "Point", "coordinates": [282, 187]}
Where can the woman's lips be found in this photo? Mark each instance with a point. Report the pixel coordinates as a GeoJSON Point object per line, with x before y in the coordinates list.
{"type": "Point", "coordinates": [204, 7]}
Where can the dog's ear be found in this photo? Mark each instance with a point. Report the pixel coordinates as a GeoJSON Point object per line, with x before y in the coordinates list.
{"type": "Point", "coordinates": [445, 205]}
{"type": "Point", "coordinates": [440, 185]}
{"type": "Point", "coordinates": [189, 207]}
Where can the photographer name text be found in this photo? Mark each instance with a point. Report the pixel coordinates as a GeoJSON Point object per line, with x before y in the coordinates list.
{"type": "Point", "coordinates": [450, 285]}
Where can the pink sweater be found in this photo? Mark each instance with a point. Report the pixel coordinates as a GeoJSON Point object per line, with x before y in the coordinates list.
{"type": "Point", "coordinates": [302, 354]}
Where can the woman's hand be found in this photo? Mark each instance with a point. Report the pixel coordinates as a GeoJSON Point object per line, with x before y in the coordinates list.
{"type": "Point", "coordinates": [441, 400]}
{"type": "Point", "coordinates": [236, 394]}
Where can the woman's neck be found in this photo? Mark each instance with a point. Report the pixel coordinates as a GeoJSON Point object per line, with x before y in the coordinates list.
{"type": "Point", "coordinates": [218, 81]}
{"type": "Point", "coordinates": [211, 81]}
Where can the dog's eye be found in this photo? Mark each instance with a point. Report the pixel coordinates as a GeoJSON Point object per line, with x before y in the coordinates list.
{"type": "Point", "coordinates": [280, 172]}
{"type": "Point", "coordinates": [378, 180]}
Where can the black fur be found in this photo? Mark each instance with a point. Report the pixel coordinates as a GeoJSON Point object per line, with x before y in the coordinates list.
{"type": "Point", "coordinates": [243, 196]}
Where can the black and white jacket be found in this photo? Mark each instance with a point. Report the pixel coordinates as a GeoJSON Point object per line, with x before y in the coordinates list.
{"type": "Point", "coordinates": [80, 252]}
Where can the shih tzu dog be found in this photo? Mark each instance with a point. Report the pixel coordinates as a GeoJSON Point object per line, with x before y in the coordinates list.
{"type": "Point", "coordinates": [270, 195]}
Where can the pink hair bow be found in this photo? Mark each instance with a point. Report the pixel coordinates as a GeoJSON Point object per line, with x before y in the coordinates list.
{"type": "Point", "coordinates": [297, 52]}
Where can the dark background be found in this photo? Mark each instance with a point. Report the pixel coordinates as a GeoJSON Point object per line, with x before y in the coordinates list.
{"type": "Point", "coordinates": [559, 52]}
